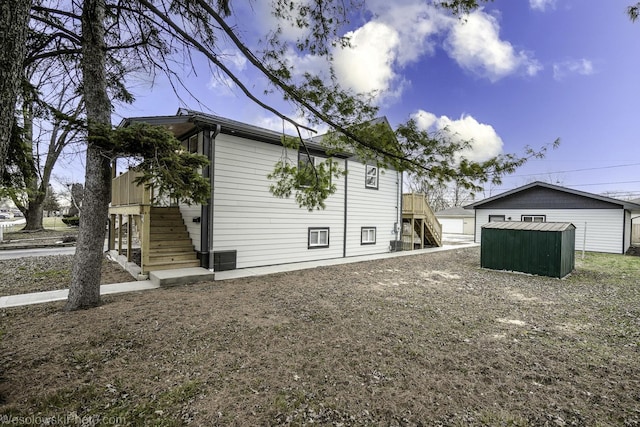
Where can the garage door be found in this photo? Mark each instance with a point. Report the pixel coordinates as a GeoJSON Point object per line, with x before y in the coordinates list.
{"type": "Point", "coordinates": [452, 225]}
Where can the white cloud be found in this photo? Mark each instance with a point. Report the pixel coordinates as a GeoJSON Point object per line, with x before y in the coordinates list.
{"type": "Point", "coordinates": [403, 32]}
{"type": "Point", "coordinates": [222, 85]}
{"type": "Point", "coordinates": [415, 21]}
{"type": "Point", "coordinates": [368, 64]}
{"type": "Point", "coordinates": [476, 46]}
{"type": "Point", "coordinates": [238, 60]}
{"type": "Point", "coordinates": [485, 141]}
{"type": "Point", "coordinates": [277, 124]}
{"type": "Point", "coordinates": [541, 5]}
{"type": "Point", "coordinates": [583, 67]}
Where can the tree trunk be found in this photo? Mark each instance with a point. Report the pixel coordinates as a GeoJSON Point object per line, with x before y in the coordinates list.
{"type": "Point", "coordinates": [34, 216]}
{"type": "Point", "coordinates": [84, 291]}
{"type": "Point", "coordinates": [14, 17]}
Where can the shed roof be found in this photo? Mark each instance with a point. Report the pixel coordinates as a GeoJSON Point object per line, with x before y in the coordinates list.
{"type": "Point", "coordinates": [534, 226]}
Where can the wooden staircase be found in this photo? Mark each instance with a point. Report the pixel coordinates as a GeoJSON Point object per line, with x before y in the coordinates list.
{"type": "Point", "coordinates": [170, 246]}
{"type": "Point", "coordinates": [420, 220]}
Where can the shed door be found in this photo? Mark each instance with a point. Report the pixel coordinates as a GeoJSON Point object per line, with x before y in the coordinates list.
{"type": "Point", "coordinates": [452, 225]}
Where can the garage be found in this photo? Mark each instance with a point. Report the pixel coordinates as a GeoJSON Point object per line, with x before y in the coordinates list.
{"type": "Point", "coordinates": [457, 221]}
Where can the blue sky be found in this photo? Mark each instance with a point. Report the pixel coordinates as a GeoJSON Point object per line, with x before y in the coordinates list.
{"type": "Point", "coordinates": [516, 73]}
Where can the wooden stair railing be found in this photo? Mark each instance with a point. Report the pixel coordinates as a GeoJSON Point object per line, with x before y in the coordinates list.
{"type": "Point", "coordinates": [416, 206]}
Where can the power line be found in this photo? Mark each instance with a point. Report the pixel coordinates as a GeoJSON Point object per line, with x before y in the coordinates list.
{"type": "Point", "coordinates": [604, 183]}
{"type": "Point", "coordinates": [577, 170]}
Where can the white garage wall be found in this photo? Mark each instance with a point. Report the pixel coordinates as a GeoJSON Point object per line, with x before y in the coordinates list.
{"type": "Point", "coordinates": [452, 225]}
{"type": "Point", "coordinates": [604, 227]}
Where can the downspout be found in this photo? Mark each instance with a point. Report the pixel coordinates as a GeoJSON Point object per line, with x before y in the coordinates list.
{"type": "Point", "coordinates": [624, 228]}
{"type": "Point", "coordinates": [399, 224]}
{"type": "Point", "coordinates": [344, 233]}
{"type": "Point", "coordinates": [212, 142]}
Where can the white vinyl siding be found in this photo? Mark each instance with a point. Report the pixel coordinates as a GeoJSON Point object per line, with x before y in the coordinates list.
{"type": "Point", "coordinates": [604, 226]}
{"type": "Point", "coordinates": [264, 229]}
{"type": "Point", "coordinates": [366, 208]}
{"type": "Point", "coordinates": [194, 228]}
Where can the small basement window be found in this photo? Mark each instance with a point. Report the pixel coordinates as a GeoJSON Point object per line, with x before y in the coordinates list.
{"type": "Point", "coordinates": [533, 218]}
{"type": "Point", "coordinates": [368, 236]}
{"type": "Point", "coordinates": [371, 177]}
{"type": "Point", "coordinates": [318, 238]}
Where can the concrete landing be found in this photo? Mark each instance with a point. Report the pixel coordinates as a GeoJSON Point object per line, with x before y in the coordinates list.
{"type": "Point", "coordinates": [180, 276]}
{"type": "Point", "coordinates": [61, 295]}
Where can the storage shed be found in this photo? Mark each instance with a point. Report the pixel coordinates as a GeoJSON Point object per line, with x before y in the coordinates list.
{"type": "Point", "coordinates": [542, 248]}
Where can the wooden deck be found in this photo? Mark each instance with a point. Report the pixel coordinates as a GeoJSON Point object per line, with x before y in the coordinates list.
{"type": "Point", "coordinates": [420, 227]}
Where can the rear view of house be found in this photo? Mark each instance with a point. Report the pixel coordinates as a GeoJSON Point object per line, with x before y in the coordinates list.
{"type": "Point", "coordinates": [244, 225]}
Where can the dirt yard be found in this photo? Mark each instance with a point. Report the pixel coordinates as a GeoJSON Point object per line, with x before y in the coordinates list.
{"type": "Point", "coordinates": [428, 340]}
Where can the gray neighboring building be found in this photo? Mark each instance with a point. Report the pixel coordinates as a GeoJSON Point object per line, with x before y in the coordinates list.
{"type": "Point", "coordinates": [457, 220]}
{"type": "Point", "coordinates": [602, 224]}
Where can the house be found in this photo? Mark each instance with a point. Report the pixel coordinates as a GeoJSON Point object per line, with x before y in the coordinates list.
{"type": "Point", "coordinates": [635, 226]}
{"type": "Point", "coordinates": [602, 224]}
{"type": "Point", "coordinates": [457, 220]}
{"type": "Point", "coordinates": [244, 225]}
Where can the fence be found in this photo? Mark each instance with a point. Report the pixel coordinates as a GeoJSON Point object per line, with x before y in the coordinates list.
{"type": "Point", "coordinates": [3, 226]}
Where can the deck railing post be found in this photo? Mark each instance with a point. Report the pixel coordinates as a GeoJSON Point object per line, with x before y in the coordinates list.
{"type": "Point", "coordinates": [129, 236]}
{"type": "Point", "coordinates": [146, 238]}
{"type": "Point", "coordinates": [120, 234]}
{"type": "Point", "coordinates": [112, 234]}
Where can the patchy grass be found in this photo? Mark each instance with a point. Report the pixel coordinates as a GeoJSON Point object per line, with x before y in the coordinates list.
{"type": "Point", "coordinates": [49, 273]}
{"type": "Point", "coordinates": [53, 228]}
{"type": "Point", "coordinates": [420, 340]}
{"type": "Point", "coordinates": [624, 266]}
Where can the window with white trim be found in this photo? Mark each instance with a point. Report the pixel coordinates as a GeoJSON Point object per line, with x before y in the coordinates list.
{"type": "Point", "coordinates": [318, 237]}
{"type": "Point", "coordinates": [371, 177]}
{"type": "Point", "coordinates": [368, 236]}
{"type": "Point", "coordinates": [533, 218]}
{"type": "Point", "coordinates": [496, 218]}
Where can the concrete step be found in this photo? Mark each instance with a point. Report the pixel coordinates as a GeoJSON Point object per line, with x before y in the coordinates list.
{"type": "Point", "coordinates": [171, 265]}
{"type": "Point", "coordinates": [180, 276]}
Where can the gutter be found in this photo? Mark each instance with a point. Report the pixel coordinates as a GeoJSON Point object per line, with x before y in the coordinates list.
{"type": "Point", "coordinates": [212, 141]}
{"type": "Point", "coordinates": [344, 226]}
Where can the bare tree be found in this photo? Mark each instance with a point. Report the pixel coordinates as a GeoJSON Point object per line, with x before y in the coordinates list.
{"type": "Point", "coordinates": [50, 107]}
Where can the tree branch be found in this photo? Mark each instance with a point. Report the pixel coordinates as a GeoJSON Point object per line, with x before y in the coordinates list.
{"type": "Point", "coordinates": [212, 57]}
{"type": "Point", "coordinates": [294, 94]}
